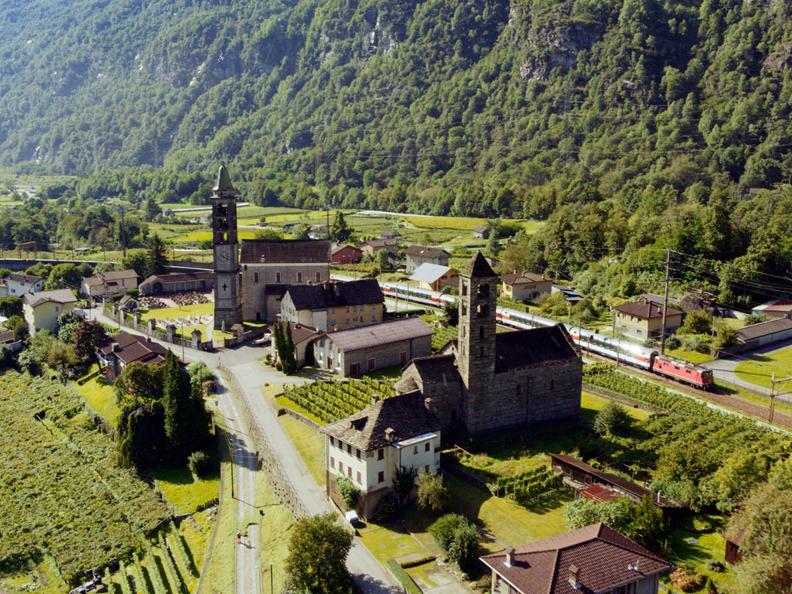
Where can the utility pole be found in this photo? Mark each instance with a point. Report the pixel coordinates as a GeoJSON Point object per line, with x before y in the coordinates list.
{"type": "Point", "coordinates": [665, 302]}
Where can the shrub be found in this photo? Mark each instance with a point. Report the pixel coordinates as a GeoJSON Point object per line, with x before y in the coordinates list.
{"type": "Point", "coordinates": [404, 482]}
{"type": "Point", "coordinates": [348, 491]}
{"type": "Point", "coordinates": [697, 321]}
{"type": "Point", "coordinates": [444, 528]}
{"type": "Point", "coordinates": [432, 493]}
{"type": "Point", "coordinates": [686, 580]}
{"type": "Point", "coordinates": [612, 419]}
{"type": "Point", "coordinates": [387, 506]}
{"type": "Point", "coordinates": [463, 549]}
{"type": "Point", "coordinates": [200, 464]}
{"type": "Point", "coordinates": [200, 373]}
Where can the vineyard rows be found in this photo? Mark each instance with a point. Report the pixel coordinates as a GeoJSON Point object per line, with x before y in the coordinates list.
{"type": "Point", "coordinates": [62, 492]}
{"type": "Point", "coordinates": [528, 487]}
{"type": "Point", "coordinates": [330, 401]}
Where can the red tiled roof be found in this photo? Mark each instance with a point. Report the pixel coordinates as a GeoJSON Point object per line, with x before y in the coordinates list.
{"type": "Point", "coordinates": [604, 560]}
{"type": "Point", "coordinates": [645, 309]}
{"type": "Point", "coordinates": [523, 278]}
{"type": "Point", "coordinates": [598, 492]}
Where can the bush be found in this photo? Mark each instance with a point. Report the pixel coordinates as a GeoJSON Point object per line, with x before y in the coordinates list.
{"type": "Point", "coordinates": [463, 549]}
{"type": "Point", "coordinates": [444, 528]}
{"type": "Point", "coordinates": [348, 491]}
{"type": "Point", "coordinates": [200, 373]}
{"type": "Point", "coordinates": [612, 419]}
{"type": "Point", "coordinates": [432, 493]}
{"type": "Point", "coordinates": [387, 506]}
{"type": "Point", "coordinates": [200, 464]}
{"type": "Point", "coordinates": [697, 321]}
{"type": "Point", "coordinates": [685, 580]}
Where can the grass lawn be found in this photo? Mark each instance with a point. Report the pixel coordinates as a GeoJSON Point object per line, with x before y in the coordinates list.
{"type": "Point", "coordinates": [690, 356]}
{"type": "Point", "coordinates": [276, 526]}
{"type": "Point", "coordinates": [183, 491]}
{"type": "Point", "coordinates": [101, 398]}
{"type": "Point", "coordinates": [590, 404]}
{"type": "Point", "coordinates": [754, 397]}
{"type": "Point", "coordinates": [42, 578]}
{"type": "Point", "coordinates": [284, 402]}
{"type": "Point", "coordinates": [759, 368]}
{"type": "Point", "coordinates": [708, 545]}
{"type": "Point", "coordinates": [309, 444]}
{"type": "Point", "coordinates": [390, 543]}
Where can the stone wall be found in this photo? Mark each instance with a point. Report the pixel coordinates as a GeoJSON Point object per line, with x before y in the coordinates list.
{"type": "Point", "coordinates": [256, 277]}
{"type": "Point", "coordinates": [527, 396]}
{"type": "Point", "coordinates": [386, 355]}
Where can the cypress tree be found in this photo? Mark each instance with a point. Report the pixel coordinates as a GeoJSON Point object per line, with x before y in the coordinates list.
{"type": "Point", "coordinates": [290, 361]}
{"type": "Point", "coordinates": [176, 399]}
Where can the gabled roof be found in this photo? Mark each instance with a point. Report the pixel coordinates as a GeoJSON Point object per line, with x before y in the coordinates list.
{"type": "Point", "coordinates": [425, 252]}
{"type": "Point", "coordinates": [429, 273]}
{"type": "Point", "coordinates": [536, 346]}
{"type": "Point", "coordinates": [645, 309]}
{"type": "Point", "coordinates": [179, 277]}
{"type": "Point", "coordinates": [604, 560]}
{"type": "Point", "coordinates": [285, 251]}
{"type": "Point", "coordinates": [7, 336]}
{"type": "Point", "coordinates": [27, 279]}
{"type": "Point", "coordinates": [61, 296]}
{"type": "Point", "coordinates": [381, 243]}
{"type": "Point", "coordinates": [437, 369]}
{"type": "Point", "coordinates": [523, 278]}
{"type": "Point", "coordinates": [478, 267]}
{"type": "Point", "coordinates": [301, 333]}
{"type": "Point", "coordinates": [364, 291]}
{"type": "Point", "coordinates": [379, 334]}
{"type": "Point", "coordinates": [342, 247]}
{"type": "Point", "coordinates": [764, 329]}
{"type": "Point", "coordinates": [110, 276]}
{"type": "Point", "coordinates": [367, 430]}
{"type": "Point", "coordinates": [134, 349]}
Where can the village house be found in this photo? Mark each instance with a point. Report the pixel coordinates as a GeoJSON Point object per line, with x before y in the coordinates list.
{"type": "Point", "coordinates": [351, 353]}
{"type": "Point", "coordinates": [124, 348]}
{"type": "Point", "coordinates": [777, 308]}
{"type": "Point", "coordinates": [108, 284]}
{"type": "Point", "coordinates": [525, 286]}
{"type": "Point", "coordinates": [482, 231]}
{"type": "Point", "coordinates": [762, 334]}
{"type": "Point", "coordinates": [369, 446]}
{"type": "Point", "coordinates": [9, 342]}
{"type": "Point", "coordinates": [486, 381]}
{"type": "Point", "coordinates": [42, 309]}
{"type": "Point", "coordinates": [345, 254]}
{"type": "Point", "coordinates": [16, 285]}
{"type": "Point", "coordinates": [434, 277]}
{"type": "Point", "coordinates": [593, 559]}
{"type": "Point", "coordinates": [270, 266]}
{"type": "Point", "coordinates": [389, 233]}
{"type": "Point", "coordinates": [334, 306]}
{"type": "Point", "coordinates": [644, 319]}
{"type": "Point", "coordinates": [370, 248]}
{"type": "Point", "coordinates": [416, 255]}
{"type": "Point", "coordinates": [177, 282]}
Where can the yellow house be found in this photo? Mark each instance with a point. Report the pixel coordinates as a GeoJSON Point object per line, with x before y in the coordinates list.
{"type": "Point", "coordinates": [42, 309]}
{"type": "Point", "coordinates": [525, 286]}
{"type": "Point", "coordinates": [644, 319]}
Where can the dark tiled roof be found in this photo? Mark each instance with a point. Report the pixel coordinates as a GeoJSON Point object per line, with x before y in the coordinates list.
{"type": "Point", "coordinates": [604, 560]}
{"type": "Point", "coordinates": [179, 277]}
{"type": "Point", "coordinates": [407, 415]}
{"type": "Point", "coordinates": [764, 329]}
{"type": "Point", "coordinates": [302, 333]}
{"type": "Point", "coordinates": [7, 336]}
{"type": "Point", "coordinates": [285, 251]}
{"type": "Point", "coordinates": [134, 348]}
{"type": "Point", "coordinates": [28, 279]}
{"type": "Point", "coordinates": [109, 276]}
{"type": "Point", "coordinates": [58, 296]}
{"type": "Point", "coordinates": [379, 334]}
{"type": "Point", "coordinates": [381, 243]}
{"type": "Point", "coordinates": [437, 369]}
{"type": "Point", "coordinates": [645, 309]}
{"type": "Point", "coordinates": [518, 278]}
{"type": "Point", "coordinates": [277, 289]}
{"type": "Point", "coordinates": [359, 292]}
{"type": "Point", "coordinates": [478, 267]}
{"type": "Point", "coordinates": [425, 252]}
{"type": "Point", "coordinates": [537, 346]}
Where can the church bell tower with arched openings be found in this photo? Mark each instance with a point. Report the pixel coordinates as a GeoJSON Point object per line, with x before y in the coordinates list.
{"type": "Point", "coordinates": [227, 305]}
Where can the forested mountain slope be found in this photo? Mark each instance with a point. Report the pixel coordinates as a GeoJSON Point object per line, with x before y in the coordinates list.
{"type": "Point", "coordinates": [609, 112]}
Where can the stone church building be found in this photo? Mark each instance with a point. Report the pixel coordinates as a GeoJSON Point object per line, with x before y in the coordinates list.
{"type": "Point", "coordinates": [485, 381]}
{"type": "Point", "coordinates": [250, 282]}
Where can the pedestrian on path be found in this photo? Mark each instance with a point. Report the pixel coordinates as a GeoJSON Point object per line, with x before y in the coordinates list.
{"type": "Point", "coordinates": [238, 537]}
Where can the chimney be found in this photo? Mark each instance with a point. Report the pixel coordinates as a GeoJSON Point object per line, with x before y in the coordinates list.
{"type": "Point", "coordinates": [116, 347]}
{"type": "Point", "coordinates": [573, 577]}
{"type": "Point", "coordinates": [509, 561]}
{"type": "Point", "coordinates": [389, 433]}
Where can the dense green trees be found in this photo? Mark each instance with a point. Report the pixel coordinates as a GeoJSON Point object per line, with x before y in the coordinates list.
{"type": "Point", "coordinates": [318, 549]}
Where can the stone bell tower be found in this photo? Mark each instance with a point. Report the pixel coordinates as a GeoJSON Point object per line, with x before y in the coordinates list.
{"type": "Point", "coordinates": [477, 326]}
{"type": "Point", "coordinates": [227, 305]}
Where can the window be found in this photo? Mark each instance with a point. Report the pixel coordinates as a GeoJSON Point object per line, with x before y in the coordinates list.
{"type": "Point", "coordinates": [359, 479]}
{"type": "Point", "coordinates": [371, 364]}
{"type": "Point", "coordinates": [332, 462]}
{"type": "Point", "coordinates": [349, 448]}
{"type": "Point", "coordinates": [318, 277]}
{"type": "Point", "coordinates": [341, 467]}
{"type": "Point", "coordinates": [349, 471]}
{"type": "Point", "coordinates": [357, 452]}
{"type": "Point", "coordinates": [481, 332]}
{"type": "Point", "coordinates": [483, 310]}
{"type": "Point", "coordinates": [482, 290]}
{"type": "Point", "coordinates": [415, 450]}
{"type": "Point", "coordinates": [299, 277]}
{"type": "Point", "coordinates": [332, 441]}
{"type": "Point", "coordinates": [380, 454]}
{"type": "Point", "coordinates": [277, 277]}
{"type": "Point", "coordinates": [427, 446]}
{"type": "Point", "coordinates": [381, 476]}
{"type": "Point", "coordinates": [255, 277]}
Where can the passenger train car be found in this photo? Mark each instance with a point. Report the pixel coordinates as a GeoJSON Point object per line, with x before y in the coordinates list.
{"type": "Point", "coordinates": [621, 351]}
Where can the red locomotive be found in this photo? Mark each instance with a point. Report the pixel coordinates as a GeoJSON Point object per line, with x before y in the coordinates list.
{"type": "Point", "coordinates": [681, 371]}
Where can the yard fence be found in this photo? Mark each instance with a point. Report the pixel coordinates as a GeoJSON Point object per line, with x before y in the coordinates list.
{"type": "Point", "coordinates": [151, 329]}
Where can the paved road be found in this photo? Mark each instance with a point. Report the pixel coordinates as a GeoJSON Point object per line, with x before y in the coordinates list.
{"type": "Point", "coordinates": [242, 362]}
{"type": "Point", "coordinates": [725, 369]}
